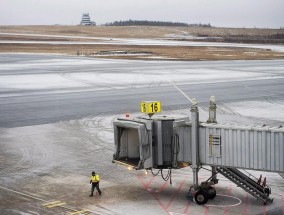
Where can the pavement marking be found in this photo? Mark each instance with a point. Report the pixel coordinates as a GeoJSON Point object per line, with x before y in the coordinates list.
{"type": "Point", "coordinates": [155, 194]}
{"type": "Point", "coordinates": [246, 205]}
{"type": "Point", "coordinates": [186, 96]}
{"type": "Point", "coordinates": [264, 209]}
{"type": "Point", "coordinates": [53, 204]}
{"type": "Point", "coordinates": [50, 203]}
{"type": "Point", "coordinates": [57, 203]}
{"type": "Point", "coordinates": [229, 192]}
{"type": "Point", "coordinates": [23, 194]}
{"type": "Point", "coordinates": [83, 212]}
{"type": "Point", "coordinates": [206, 210]}
{"type": "Point", "coordinates": [163, 187]}
{"type": "Point", "coordinates": [183, 93]}
{"type": "Point", "coordinates": [186, 209]}
{"type": "Point", "coordinates": [176, 193]}
{"type": "Point", "coordinates": [224, 206]}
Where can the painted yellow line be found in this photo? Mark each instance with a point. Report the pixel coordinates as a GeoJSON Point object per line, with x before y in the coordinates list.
{"type": "Point", "coordinates": [50, 203]}
{"type": "Point", "coordinates": [39, 199]}
{"type": "Point", "coordinates": [56, 205]}
{"type": "Point", "coordinates": [79, 212]}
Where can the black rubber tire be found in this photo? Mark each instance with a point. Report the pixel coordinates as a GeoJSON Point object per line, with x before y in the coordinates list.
{"type": "Point", "coordinates": [211, 193]}
{"type": "Point", "coordinates": [201, 197]}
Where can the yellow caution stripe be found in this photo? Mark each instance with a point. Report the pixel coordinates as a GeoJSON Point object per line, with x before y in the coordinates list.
{"type": "Point", "coordinates": [53, 204]}
{"type": "Point", "coordinates": [83, 212]}
{"type": "Point", "coordinates": [56, 205]}
{"type": "Point", "coordinates": [50, 203]}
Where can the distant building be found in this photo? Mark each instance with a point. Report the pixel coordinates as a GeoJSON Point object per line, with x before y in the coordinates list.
{"type": "Point", "coordinates": [86, 20]}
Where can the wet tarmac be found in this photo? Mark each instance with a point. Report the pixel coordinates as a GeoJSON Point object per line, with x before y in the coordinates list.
{"type": "Point", "coordinates": [53, 136]}
{"type": "Point", "coordinates": [45, 169]}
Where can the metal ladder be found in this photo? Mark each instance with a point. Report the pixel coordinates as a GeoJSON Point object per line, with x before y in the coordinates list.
{"type": "Point", "coordinates": [260, 192]}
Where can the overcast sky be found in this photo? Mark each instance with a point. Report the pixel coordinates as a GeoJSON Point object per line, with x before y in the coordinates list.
{"type": "Point", "coordinates": [221, 13]}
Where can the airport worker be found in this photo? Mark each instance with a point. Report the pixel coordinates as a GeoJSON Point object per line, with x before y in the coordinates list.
{"type": "Point", "coordinates": [95, 181]}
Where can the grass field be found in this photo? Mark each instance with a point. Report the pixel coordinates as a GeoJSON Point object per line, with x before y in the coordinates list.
{"type": "Point", "coordinates": [154, 52]}
{"type": "Point", "coordinates": [139, 31]}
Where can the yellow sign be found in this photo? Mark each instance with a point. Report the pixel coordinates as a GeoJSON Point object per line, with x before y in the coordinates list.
{"type": "Point", "coordinates": [149, 107]}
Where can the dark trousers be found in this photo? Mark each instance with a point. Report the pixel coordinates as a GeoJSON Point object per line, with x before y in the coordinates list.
{"type": "Point", "coordinates": [96, 185]}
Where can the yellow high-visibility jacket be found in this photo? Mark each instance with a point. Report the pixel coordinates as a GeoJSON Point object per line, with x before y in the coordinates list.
{"type": "Point", "coordinates": [95, 178]}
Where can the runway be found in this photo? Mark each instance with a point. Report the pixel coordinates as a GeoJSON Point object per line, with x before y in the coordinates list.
{"type": "Point", "coordinates": [132, 41]}
{"type": "Point", "coordinates": [40, 89]}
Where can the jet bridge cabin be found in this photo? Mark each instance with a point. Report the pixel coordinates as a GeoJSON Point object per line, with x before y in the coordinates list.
{"type": "Point", "coordinates": [152, 143]}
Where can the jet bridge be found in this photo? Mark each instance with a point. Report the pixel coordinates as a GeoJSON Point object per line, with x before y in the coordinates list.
{"type": "Point", "coordinates": [169, 142]}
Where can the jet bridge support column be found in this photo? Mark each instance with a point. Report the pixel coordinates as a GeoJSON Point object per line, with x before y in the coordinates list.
{"type": "Point", "coordinates": [214, 179]}
{"type": "Point", "coordinates": [212, 119]}
{"type": "Point", "coordinates": [195, 142]}
{"type": "Point", "coordinates": [204, 191]}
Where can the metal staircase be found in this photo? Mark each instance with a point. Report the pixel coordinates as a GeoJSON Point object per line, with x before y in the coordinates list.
{"type": "Point", "coordinates": [254, 187]}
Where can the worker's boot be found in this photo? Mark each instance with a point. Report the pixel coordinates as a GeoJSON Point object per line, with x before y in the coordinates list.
{"type": "Point", "coordinates": [91, 195]}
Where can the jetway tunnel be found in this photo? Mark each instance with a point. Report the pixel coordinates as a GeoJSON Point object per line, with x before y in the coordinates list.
{"type": "Point", "coordinates": [171, 142]}
{"type": "Point", "coordinates": [151, 143]}
{"type": "Point", "coordinates": [133, 143]}
{"type": "Point", "coordinates": [129, 149]}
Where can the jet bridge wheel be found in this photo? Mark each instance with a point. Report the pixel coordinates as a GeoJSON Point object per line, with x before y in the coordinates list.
{"type": "Point", "coordinates": [201, 197]}
{"type": "Point", "coordinates": [211, 193]}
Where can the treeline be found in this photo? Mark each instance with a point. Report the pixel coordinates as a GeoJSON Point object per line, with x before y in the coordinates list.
{"type": "Point", "coordinates": [154, 23]}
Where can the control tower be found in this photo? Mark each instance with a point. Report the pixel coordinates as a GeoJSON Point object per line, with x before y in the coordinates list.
{"type": "Point", "coordinates": [86, 20]}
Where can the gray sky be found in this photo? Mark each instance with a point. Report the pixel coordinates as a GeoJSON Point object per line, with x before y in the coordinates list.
{"type": "Point", "coordinates": [221, 13]}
